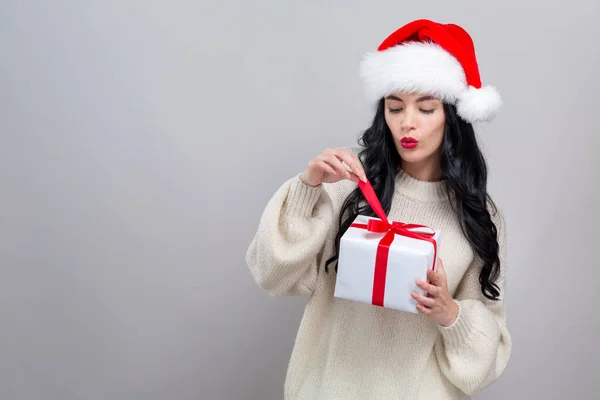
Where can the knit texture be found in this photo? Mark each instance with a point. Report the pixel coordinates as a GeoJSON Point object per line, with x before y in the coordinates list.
{"type": "Point", "coordinates": [349, 350]}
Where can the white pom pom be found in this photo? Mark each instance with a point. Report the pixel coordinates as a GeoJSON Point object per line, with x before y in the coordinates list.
{"type": "Point", "coordinates": [479, 105]}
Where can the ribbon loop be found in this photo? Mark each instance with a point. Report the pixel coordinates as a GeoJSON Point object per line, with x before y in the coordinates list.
{"type": "Point", "coordinates": [383, 225]}
{"type": "Point", "coordinates": [377, 225]}
{"type": "Point", "coordinates": [400, 228]}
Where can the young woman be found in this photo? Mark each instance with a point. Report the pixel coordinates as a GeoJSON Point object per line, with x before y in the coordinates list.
{"type": "Point", "coordinates": [422, 159]}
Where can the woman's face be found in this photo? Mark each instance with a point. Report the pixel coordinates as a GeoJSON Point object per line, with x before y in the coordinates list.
{"type": "Point", "coordinates": [417, 124]}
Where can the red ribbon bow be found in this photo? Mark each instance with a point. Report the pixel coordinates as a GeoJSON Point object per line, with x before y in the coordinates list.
{"type": "Point", "coordinates": [383, 248]}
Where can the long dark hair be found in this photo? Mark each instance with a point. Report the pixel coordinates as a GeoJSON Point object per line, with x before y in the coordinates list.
{"type": "Point", "coordinates": [465, 174]}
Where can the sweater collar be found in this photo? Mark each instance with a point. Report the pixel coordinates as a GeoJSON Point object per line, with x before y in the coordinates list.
{"type": "Point", "coordinates": [416, 189]}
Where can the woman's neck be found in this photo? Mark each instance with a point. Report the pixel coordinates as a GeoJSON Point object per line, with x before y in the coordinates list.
{"type": "Point", "coordinates": [425, 170]}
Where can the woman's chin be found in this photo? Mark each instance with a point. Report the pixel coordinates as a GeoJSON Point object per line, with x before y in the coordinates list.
{"type": "Point", "coordinates": [411, 155]}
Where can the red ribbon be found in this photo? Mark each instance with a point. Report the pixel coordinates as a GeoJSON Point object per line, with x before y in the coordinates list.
{"type": "Point", "coordinates": [383, 248]}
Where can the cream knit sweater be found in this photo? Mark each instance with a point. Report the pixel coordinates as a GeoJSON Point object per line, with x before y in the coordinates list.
{"type": "Point", "coordinates": [348, 350]}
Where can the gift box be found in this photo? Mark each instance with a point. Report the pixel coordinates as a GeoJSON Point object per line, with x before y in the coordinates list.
{"type": "Point", "coordinates": [380, 261]}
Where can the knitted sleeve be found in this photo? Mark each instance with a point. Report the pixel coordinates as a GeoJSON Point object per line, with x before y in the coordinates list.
{"type": "Point", "coordinates": [474, 351]}
{"type": "Point", "coordinates": [287, 250]}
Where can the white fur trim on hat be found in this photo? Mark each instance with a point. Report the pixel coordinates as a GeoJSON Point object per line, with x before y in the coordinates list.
{"type": "Point", "coordinates": [424, 67]}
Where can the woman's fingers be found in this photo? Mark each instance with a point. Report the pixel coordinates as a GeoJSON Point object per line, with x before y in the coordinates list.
{"type": "Point", "coordinates": [333, 165]}
{"type": "Point", "coordinates": [424, 310]}
{"type": "Point", "coordinates": [426, 301]}
{"type": "Point", "coordinates": [333, 161]}
{"type": "Point", "coordinates": [429, 288]}
{"type": "Point", "coordinates": [328, 169]}
{"type": "Point", "coordinates": [352, 162]}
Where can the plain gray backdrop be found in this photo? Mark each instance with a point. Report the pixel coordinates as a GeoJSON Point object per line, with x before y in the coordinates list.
{"type": "Point", "coordinates": [140, 141]}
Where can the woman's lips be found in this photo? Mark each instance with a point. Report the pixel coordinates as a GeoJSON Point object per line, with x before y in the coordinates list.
{"type": "Point", "coordinates": [409, 142]}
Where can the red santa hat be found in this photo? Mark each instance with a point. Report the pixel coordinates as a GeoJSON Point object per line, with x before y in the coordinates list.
{"type": "Point", "coordinates": [428, 57]}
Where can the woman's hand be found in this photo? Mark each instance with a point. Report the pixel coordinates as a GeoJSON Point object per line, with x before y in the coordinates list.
{"type": "Point", "coordinates": [328, 167]}
{"type": "Point", "coordinates": [438, 304]}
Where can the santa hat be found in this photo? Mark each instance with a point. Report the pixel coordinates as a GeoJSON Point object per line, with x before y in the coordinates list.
{"type": "Point", "coordinates": [428, 57]}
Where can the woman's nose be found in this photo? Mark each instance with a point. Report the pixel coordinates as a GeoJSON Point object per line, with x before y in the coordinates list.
{"type": "Point", "coordinates": [408, 120]}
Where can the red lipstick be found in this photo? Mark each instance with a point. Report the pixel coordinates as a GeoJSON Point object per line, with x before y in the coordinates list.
{"type": "Point", "coordinates": [409, 142]}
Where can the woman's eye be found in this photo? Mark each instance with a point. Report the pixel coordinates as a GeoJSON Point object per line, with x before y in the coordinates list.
{"type": "Point", "coordinates": [428, 111]}
{"type": "Point", "coordinates": [395, 110]}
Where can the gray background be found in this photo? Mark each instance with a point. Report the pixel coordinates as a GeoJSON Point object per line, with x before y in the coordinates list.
{"type": "Point", "coordinates": [140, 141]}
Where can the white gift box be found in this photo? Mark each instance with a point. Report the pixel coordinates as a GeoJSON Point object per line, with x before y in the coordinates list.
{"type": "Point", "coordinates": [390, 285]}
